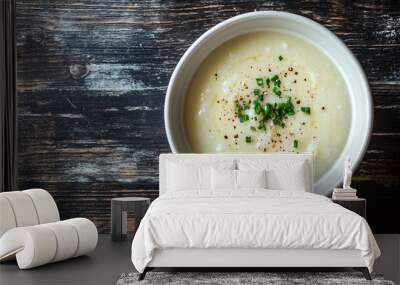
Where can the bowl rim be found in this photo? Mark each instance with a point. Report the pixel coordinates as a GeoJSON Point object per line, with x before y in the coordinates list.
{"type": "Point", "coordinates": [292, 17]}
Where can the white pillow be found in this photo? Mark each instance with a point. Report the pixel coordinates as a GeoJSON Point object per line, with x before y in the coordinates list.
{"type": "Point", "coordinates": [251, 178]}
{"type": "Point", "coordinates": [223, 179]}
{"type": "Point", "coordinates": [187, 177]}
{"type": "Point", "coordinates": [282, 174]}
{"type": "Point", "coordinates": [229, 180]}
{"type": "Point", "coordinates": [295, 178]}
{"type": "Point", "coordinates": [193, 174]}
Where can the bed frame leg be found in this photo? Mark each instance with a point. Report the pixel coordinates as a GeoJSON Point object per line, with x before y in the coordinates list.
{"type": "Point", "coordinates": [143, 274]}
{"type": "Point", "coordinates": [364, 271]}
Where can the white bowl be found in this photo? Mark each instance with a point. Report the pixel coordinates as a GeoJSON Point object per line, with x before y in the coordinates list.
{"type": "Point", "coordinates": [332, 46]}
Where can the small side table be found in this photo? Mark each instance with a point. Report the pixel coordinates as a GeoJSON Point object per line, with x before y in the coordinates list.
{"type": "Point", "coordinates": [358, 206]}
{"type": "Point", "coordinates": [119, 214]}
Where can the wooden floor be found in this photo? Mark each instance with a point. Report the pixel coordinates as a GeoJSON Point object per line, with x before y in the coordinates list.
{"type": "Point", "coordinates": [103, 266]}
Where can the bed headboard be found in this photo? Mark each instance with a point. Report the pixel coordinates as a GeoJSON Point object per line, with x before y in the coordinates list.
{"type": "Point", "coordinates": [211, 158]}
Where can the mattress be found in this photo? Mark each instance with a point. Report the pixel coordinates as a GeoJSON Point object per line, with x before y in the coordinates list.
{"type": "Point", "coordinates": [251, 219]}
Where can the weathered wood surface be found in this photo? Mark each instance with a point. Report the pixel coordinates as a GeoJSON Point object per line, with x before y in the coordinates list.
{"type": "Point", "coordinates": [92, 75]}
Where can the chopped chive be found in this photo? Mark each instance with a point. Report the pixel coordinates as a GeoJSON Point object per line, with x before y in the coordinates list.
{"type": "Point", "coordinates": [280, 58]}
{"type": "Point", "coordinates": [267, 81]}
{"type": "Point", "coordinates": [274, 78]}
{"type": "Point", "coordinates": [277, 120]}
{"type": "Point", "coordinates": [278, 83]}
{"type": "Point", "coordinates": [289, 107]}
{"type": "Point", "coordinates": [276, 91]}
{"type": "Point", "coordinates": [240, 112]}
{"type": "Point", "coordinates": [295, 143]}
{"type": "Point", "coordinates": [248, 139]}
{"type": "Point", "coordinates": [267, 110]}
{"type": "Point", "coordinates": [253, 128]}
{"type": "Point", "coordinates": [281, 111]}
{"type": "Point", "coordinates": [260, 81]}
{"type": "Point", "coordinates": [306, 110]}
{"type": "Point", "coordinates": [257, 107]}
{"type": "Point", "coordinates": [261, 125]}
{"type": "Point", "coordinates": [258, 94]}
{"type": "Point", "coordinates": [244, 118]}
{"type": "Point", "coordinates": [238, 108]}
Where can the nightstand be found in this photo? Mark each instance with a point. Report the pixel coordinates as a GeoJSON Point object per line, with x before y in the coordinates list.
{"type": "Point", "coordinates": [358, 206]}
{"type": "Point", "coordinates": [119, 214]}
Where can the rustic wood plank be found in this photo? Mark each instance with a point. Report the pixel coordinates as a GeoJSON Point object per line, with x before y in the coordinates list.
{"type": "Point", "coordinates": [92, 75]}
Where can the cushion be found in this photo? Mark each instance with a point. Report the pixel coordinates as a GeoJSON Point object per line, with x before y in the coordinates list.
{"type": "Point", "coordinates": [226, 179]}
{"type": "Point", "coordinates": [87, 233]}
{"type": "Point", "coordinates": [67, 240]}
{"type": "Point", "coordinates": [45, 205]}
{"type": "Point", "coordinates": [7, 219]}
{"type": "Point", "coordinates": [192, 175]}
{"type": "Point", "coordinates": [292, 179]}
{"type": "Point", "coordinates": [182, 177]}
{"type": "Point", "coordinates": [223, 179]}
{"type": "Point", "coordinates": [251, 178]}
{"type": "Point", "coordinates": [281, 174]}
{"type": "Point", "coordinates": [23, 208]}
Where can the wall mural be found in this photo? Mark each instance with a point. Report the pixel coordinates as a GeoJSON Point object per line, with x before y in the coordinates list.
{"type": "Point", "coordinates": [92, 79]}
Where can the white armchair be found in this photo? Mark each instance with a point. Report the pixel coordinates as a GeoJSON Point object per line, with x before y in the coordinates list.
{"type": "Point", "coordinates": [31, 230]}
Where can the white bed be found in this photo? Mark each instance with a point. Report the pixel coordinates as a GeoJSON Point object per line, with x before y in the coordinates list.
{"type": "Point", "coordinates": [202, 226]}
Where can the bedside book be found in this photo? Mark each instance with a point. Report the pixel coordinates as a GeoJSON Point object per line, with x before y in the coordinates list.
{"type": "Point", "coordinates": [341, 190]}
{"type": "Point", "coordinates": [344, 194]}
{"type": "Point", "coordinates": [335, 197]}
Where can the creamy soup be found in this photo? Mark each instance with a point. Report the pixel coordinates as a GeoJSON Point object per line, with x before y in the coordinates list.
{"type": "Point", "coordinates": [268, 92]}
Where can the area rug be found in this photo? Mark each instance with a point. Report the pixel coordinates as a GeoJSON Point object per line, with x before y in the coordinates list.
{"type": "Point", "coordinates": [243, 278]}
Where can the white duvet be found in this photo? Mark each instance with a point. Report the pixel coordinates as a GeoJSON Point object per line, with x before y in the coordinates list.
{"type": "Point", "coordinates": [250, 219]}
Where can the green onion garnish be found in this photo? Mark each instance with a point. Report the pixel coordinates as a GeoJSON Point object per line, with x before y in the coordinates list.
{"type": "Point", "coordinates": [276, 90]}
{"type": "Point", "coordinates": [281, 110]}
{"type": "Point", "coordinates": [267, 110]}
{"type": "Point", "coordinates": [248, 139]}
{"type": "Point", "coordinates": [258, 94]}
{"type": "Point", "coordinates": [306, 110]}
{"type": "Point", "coordinates": [289, 107]}
{"type": "Point", "coordinates": [261, 125]}
{"type": "Point", "coordinates": [295, 143]}
{"type": "Point", "coordinates": [277, 112]}
{"type": "Point", "coordinates": [280, 58]}
{"type": "Point", "coordinates": [240, 113]}
{"type": "Point", "coordinates": [243, 118]}
{"type": "Point", "coordinates": [257, 107]}
{"type": "Point", "coordinates": [274, 78]}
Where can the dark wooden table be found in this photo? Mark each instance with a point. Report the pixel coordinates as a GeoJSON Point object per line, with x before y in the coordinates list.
{"type": "Point", "coordinates": [92, 76]}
